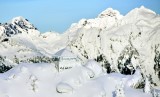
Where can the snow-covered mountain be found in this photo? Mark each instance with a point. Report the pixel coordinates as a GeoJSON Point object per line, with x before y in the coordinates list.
{"type": "Point", "coordinates": [20, 40]}
{"type": "Point", "coordinates": [119, 43]}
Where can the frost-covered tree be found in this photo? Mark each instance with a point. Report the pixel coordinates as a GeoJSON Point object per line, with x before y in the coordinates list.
{"type": "Point", "coordinates": [119, 92]}
{"type": "Point", "coordinates": [147, 88]}
{"type": "Point", "coordinates": [16, 60]}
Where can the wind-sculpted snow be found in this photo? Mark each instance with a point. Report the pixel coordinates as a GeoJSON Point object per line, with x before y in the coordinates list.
{"type": "Point", "coordinates": [39, 80]}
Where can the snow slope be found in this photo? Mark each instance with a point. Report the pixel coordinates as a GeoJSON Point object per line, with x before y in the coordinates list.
{"type": "Point", "coordinates": [39, 80]}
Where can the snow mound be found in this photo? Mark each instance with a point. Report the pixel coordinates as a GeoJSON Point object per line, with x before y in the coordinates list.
{"type": "Point", "coordinates": [95, 67]}
{"type": "Point", "coordinates": [135, 80]}
{"type": "Point", "coordinates": [80, 75]}
{"type": "Point", "coordinates": [64, 88]}
{"type": "Point", "coordinates": [41, 80]}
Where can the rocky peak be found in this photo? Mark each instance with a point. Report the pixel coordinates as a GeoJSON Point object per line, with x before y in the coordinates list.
{"type": "Point", "coordinates": [22, 23]}
{"type": "Point", "coordinates": [109, 13]}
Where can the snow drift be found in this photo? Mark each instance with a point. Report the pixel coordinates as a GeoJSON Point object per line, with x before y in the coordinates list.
{"type": "Point", "coordinates": [39, 80]}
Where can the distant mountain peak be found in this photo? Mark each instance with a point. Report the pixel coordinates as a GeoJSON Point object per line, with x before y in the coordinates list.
{"type": "Point", "coordinates": [143, 8]}
{"type": "Point", "coordinates": [142, 11]}
{"type": "Point", "coordinates": [22, 22]}
{"type": "Point", "coordinates": [19, 18]}
{"type": "Point", "coordinates": [109, 12]}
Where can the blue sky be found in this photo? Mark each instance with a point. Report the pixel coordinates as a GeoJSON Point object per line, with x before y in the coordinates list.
{"type": "Point", "coordinates": [58, 15]}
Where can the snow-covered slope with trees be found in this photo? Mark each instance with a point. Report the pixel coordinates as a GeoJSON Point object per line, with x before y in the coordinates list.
{"type": "Point", "coordinates": [20, 41]}
{"type": "Point", "coordinates": [123, 44]}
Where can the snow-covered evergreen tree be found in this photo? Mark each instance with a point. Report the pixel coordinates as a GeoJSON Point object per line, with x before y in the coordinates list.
{"type": "Point", "coordinates": [147, 88]}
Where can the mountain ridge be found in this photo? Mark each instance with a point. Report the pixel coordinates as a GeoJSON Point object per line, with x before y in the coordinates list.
{"type": "Point", "coordinates": [119, 43]}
